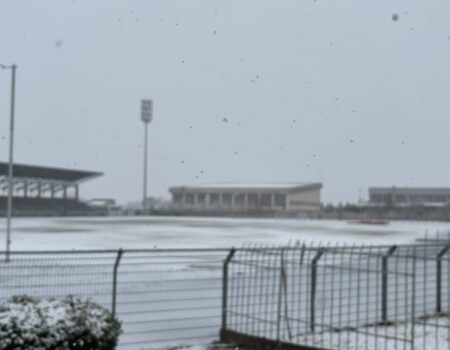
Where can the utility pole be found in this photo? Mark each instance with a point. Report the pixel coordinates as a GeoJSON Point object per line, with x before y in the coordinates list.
{"type": "Point", "coordinates": [10, 165]}
{"type": "Point", "coordinates": [146, 117]}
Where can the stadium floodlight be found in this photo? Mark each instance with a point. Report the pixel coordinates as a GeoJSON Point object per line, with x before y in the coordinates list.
{"type": "Point", "coordinates": [146, 117]}
{"type": "Point", "coordinates": [10, 167]}
{"type": "Point", "coordinates": [146, 111]}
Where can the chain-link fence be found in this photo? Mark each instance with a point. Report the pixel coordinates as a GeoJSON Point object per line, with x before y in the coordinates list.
{"type": "Point", "coordinates": [163, 297]}
{"type": "Point", "coordinates": [340, 297]}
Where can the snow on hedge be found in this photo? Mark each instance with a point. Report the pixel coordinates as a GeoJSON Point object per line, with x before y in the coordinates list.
{"type": "Point", "coordinates": [57, 324]}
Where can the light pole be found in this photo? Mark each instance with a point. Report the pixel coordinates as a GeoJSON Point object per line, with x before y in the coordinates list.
{"type": "Point", "coordinates": [146, 117]}
{"type": "Point", "coordinates": [10, 166]}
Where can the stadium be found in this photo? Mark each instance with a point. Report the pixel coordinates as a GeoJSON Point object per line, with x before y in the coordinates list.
{"type": "Point", "coordinates": [247, 199]}
{"type": "Point", "coordinates": [45, 191]}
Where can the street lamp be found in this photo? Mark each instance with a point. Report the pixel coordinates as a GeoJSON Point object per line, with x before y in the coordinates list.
{"type": "Point", "coordinates": [146, 117]}
{"type": "Point", "coordinates": [10, 167]}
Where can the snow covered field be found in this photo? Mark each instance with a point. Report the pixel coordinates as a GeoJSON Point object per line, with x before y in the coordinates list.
{"type": "Point", "coordinates": [185, 232]}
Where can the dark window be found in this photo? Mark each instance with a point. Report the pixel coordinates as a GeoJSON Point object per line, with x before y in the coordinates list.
{"type": "Point", "coordinates": [280, 200]}
{"type": "Point", "coordinates": [239, 199]}
{"type": "Point", "coordinates": [427, 198]}
{"type": "Point", "coordinates": [266, 200]}
{"type": "Point", "coordinates": [177, 197]}
{"type": "Point", "coordinates": [226, 198]}
{"type": "Point", "coordinates": [214, 198]}
{"type": "Point", "coordinates": [400, 198]}
{"type": "Point", "coordinates": [415, 198]}
{"type": "Point", "coordinates": [201, 198]}
{"type": "Point", "coordinates": [252, 200]}
{"type": "Point", "coordinates": [376, 198]}
{"type": "Point", "coordinates": [189, 198]}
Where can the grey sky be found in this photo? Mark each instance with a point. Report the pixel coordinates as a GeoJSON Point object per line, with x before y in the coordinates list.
{"type": "Point", "coordinates": [330, 91]}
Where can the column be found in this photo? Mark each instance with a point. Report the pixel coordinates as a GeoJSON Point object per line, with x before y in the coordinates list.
{"type": "Point", "coordinates": [25, 189]}
{"type": "Point", "coordinates": [221, 204]}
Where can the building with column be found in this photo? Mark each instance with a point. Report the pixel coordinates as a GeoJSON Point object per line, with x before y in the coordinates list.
{"type": "Point", "coordinates": [409, 196]}
{"type": "Point", "coordinates": [41, 190]}
{"type": "Point", "coordinates": [270, 198]}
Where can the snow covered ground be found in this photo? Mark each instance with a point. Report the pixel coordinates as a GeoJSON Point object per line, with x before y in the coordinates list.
{"type": "Point", "coordinates": [185, 232]}
{"type": "Point", "coordinates": [432, 335]}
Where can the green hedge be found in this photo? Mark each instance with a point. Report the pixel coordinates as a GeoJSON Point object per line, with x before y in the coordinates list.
{"type": "Point", "coordinates": [56, 324]}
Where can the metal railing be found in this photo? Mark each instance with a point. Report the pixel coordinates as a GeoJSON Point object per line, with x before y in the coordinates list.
{"type": "Point", "coordinates": [340, 297]}
{"type": "Point", "coordinates": [163, 297]}
{"type": "Point", "coordinates": [332, 297]}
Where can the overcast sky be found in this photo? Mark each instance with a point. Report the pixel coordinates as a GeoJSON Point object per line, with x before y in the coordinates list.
{"type": "Point", "coordinates": [250, 91]}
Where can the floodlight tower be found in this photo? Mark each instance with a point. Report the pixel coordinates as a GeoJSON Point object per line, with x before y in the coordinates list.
{"type": "Point", "coordinates": [146, 117]}
{"type": "Point", "coordinates": [13, 68]}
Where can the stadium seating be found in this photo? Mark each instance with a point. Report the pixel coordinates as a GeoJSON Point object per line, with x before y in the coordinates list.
{"type": "Point", "coordinates": [47, 207]}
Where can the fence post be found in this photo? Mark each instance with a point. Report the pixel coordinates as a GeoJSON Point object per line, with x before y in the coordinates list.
{"type": "Point", "coordinates": [314, 287]}
{"type": "Point", "coordinates": [413, 296]}
{"type": "Point", "coordinates": [225, 290]}
{"type": "Point", "coordinates": [280, 295]}
{"type": "Point", "coordinates": [384, 282]}
{"type": "Point", "coordinates": [114, 287]}
{"type": "Point", "coordinates": [441, 253]}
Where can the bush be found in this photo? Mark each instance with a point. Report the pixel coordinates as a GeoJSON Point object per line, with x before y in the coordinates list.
{"type": "Point", "coordinates": [56, 324]}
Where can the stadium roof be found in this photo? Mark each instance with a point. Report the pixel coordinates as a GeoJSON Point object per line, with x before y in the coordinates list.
{"type": "Point", "coordinates": [47, 173]}
{"type": "Point", "coordinates": [253, 187]}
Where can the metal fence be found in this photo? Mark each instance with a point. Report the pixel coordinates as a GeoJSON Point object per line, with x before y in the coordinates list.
{"type": "Point", "coordinates": [340, 297]}
{"type": "Point", "coordinates": [328, 297]}
{"type": "Point", "coordinates": [163, 297]}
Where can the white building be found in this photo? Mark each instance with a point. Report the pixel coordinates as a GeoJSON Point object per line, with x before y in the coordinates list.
{"type": "Point", "coordinates": [405, 196]}
{"type": "Point", "coordinates": [242, 198]}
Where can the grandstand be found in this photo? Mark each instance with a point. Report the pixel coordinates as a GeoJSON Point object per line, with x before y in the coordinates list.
{"type": "Point", "coordinates": [44, 191]}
